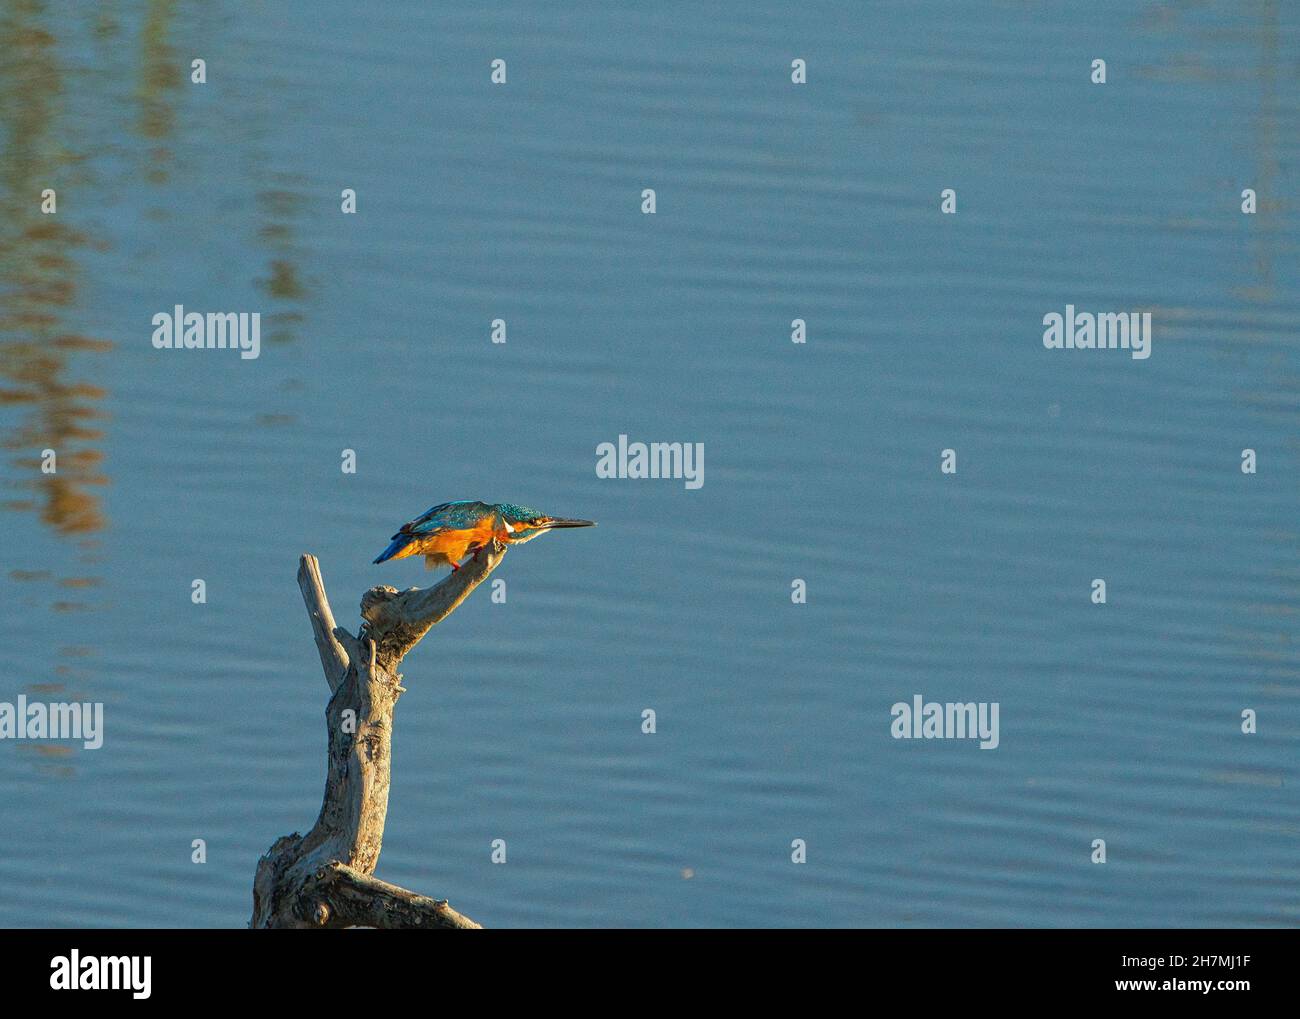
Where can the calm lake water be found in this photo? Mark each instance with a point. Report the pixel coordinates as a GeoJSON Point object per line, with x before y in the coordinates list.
{"type": "Point", "coordinates": [774, 201]}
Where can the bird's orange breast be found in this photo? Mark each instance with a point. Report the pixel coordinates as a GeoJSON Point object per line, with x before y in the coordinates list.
{"type": "Point", "coordinates": [454, 543]}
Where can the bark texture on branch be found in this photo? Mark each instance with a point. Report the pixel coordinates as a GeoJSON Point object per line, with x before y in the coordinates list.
{"type": "Point", "coordinates": [323, 878]}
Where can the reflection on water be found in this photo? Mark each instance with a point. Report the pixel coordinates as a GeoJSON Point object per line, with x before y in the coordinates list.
{"type": "Point", "coordinates": [45, 362]}
{"type": "Point", "coordinates": [1260, 50]}
{"type": "Point", "coordinates": [278, 210]}
{"type": "Point", "coordinates": [1266, 169]}
{"type": "Point", "coordinates": [42, 360]}
{"type": "Point", "coordinates": [161, 74]}
{"type": "Point", "coordinates": [1269, 648]}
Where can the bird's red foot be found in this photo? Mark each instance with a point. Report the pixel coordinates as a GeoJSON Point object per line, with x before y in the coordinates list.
{"type": "Point", "coordinates": [455, 566]}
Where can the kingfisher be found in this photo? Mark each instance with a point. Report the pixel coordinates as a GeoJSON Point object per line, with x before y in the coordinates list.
{"type": "Point", "coordinates": [446, 533]}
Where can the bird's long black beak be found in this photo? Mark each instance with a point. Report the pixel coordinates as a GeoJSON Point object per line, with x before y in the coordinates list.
{"type": "Point", "coordinates": [568, 523]}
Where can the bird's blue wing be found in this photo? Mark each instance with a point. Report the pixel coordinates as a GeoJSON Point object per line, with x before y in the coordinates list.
{"type": "Point", "coordinates": [447, 516]}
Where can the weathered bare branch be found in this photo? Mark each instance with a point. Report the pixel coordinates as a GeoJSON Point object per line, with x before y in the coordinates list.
{"type": "Point", "coordinates": [397, 620]}
{"type": "Point", "coordinates": [332, 657]}
{"type": "Point", "coordinates": [348, 898]}
{"type": "Point", "coordinates": [323, 878]}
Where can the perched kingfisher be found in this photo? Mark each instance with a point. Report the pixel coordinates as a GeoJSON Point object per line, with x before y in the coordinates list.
{"type": "Point", "coordinates": [445, 533]}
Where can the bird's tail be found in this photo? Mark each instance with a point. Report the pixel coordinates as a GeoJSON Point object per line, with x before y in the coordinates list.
{"type": "Point", "coordinates": [400, 548]}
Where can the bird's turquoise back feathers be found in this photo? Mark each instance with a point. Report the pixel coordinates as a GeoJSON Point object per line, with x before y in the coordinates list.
{"type": "Point", "coordinates": [455, 516]}
{"type": "Point", "coordinates": [451, 516]}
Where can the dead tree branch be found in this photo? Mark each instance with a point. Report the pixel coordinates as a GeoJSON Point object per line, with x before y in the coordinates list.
{"type": "Point", "coordinates": [323, 878]}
